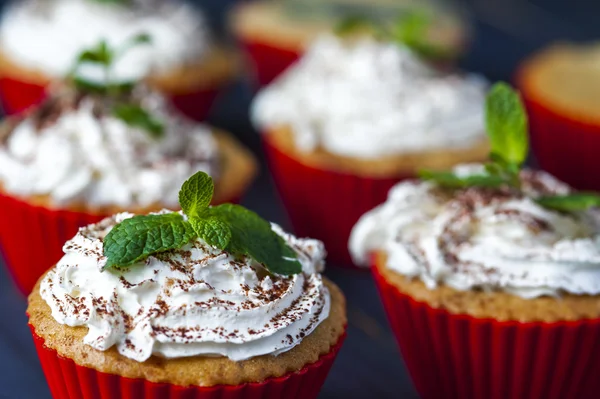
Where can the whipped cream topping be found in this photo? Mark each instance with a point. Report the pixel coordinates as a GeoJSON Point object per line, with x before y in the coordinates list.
{"type": "Point", "coordinates": [73, 150]}
{"type": "Point", "coordinates": [197, 300]}
{"type": "Point", "coordinates": [48, 35]}
{"type": "Point", "coordinates": [367, 99]}
{"type": "Point", "coordinates": [484, 239]}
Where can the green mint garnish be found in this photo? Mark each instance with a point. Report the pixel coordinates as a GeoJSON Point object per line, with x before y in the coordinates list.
{"type": "Point", "coordinates": [411, 29]}
{"type": "Point", "coordinates": [451, 180]}
{"type": "Point", "coordinates": [229, 227]}
{"type": "Point", "coordinates": [134, 239]}
{"type": "Point", "coordinates": [196, 194]}
{"type": "Point", "coordinates": [105, 56]}
{"type": "Point", "coordinates": [506, 124]}
{"type": "Point", "coordinates": [570, 202]}
{"type": "Point", "coordinates": [136, 116]}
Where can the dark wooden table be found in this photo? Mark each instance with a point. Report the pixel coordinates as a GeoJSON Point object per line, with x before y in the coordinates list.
{"type": "Point", "coordinates": [369, 365]}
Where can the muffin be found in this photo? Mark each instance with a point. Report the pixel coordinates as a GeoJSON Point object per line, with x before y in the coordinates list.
{"type": "Point", "coordinates": [491, 286]}
{"type": "Point", "coordinates": [353, 118]}
{"type": "Point", "coordinates": [560, 87]}
{"type": "Point", "coordinates": [72, 161]}
{"type": "Point", "coordinates": [274, 34]}
{"type": "Point", "coordinates": [198, 319]}
{"type": "Point", "coordinates": [40, 39]}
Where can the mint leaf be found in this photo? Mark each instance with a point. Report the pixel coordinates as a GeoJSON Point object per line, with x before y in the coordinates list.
{"type": "Point", "coordinates": [101, 54]}
{"type": "Point", "coordinates": [134, 239]}
{"type": "Point", "coordinates": [141, 38]}
{"type": "Point", "coordinates": [506, 123]}
{"type": "Point", "coordinates": [136, 116]}
{"type": "Point", "coordinates": [213, 231]}
{"type": "Point", "coordinates": [229, 227]}
{"type": "Point", "coordinates": [251, 235]}
{"type": "Point", "coordinates": [351, 24]}
{"type": "Point", "coordinates": [412, 30]}
{"type": "Point", "coordinates": [570, 202]}
{"type": "Point", "coordinates": [90, 86]}
{"type": "Point", "coordinates": [196, 194]}
{"type": "Point", "coordinates": [450, 180]}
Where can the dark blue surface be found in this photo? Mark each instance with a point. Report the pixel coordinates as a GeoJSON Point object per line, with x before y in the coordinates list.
{"type": "Point", "coordinates": [369, 364]}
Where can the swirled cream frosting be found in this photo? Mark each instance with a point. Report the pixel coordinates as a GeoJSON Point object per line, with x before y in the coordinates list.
{"type": "Point", "coordinates": [197, 300]}
{"type": "Point", "coordinates": [484, 239]}
{"type": "Point", "coordinates": [368, 98]}
{"type": "Point", "coordinates": [48, 35]}
{"type": "Point", "coordinates": [73, 149]}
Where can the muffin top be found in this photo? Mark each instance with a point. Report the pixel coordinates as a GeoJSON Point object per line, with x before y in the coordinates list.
{"type": "Point", "coordinates": [47, 35]}
{"type": "Point", "coordinates": [103, 151]}
{"type": "Point", "coordinates": [366, 98]}
{"type": "Point", "coordinates": [481, 238]}
{"type": "Point", "coordinates": [492, 226]}
{"type": "Point", "coordinates": [200, 286]}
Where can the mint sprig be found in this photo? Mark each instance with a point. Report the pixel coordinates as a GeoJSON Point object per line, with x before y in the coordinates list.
{"type": "Point", "coordinates": [105, 56]}
{"type": "Point", "coordinates": [136, 238]}
{"type": "Point", "coordinates": [229, 227]}
{"type": "Point", "coordinates": [411, 29]}
{"type": "Point", "coordinates": [136, 116]}
{"type": "Point", "coordinates": [570, 202]}
{"type": "Point", "coordinates": [506, 125]}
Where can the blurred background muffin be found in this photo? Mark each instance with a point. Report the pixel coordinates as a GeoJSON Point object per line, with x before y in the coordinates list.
{"type": "Point", "coordinates": [40, 39]}
{"type": "Point", "coordinates": [92, 149]}
{"type": "Point", "coordinates": [275, 33]}
{"type": "Point", "coordinates": [561, 86]}
{"type": "Point", "coordinates": [352, 118]}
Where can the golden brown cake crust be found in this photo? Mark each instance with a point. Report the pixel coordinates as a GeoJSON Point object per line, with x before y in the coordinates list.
{"type": "Point", "coordinates": [386, 166]}
{"type": "Point", "coordinates": [197, 370]}
{"type": "Point", "coordinates": [268, 22]}
{"type": "Point", "coordinates": [494, 305]}
{"type": "Point", "coordinates": [566, 79]}
{"type": "Point", "coordinates": [212, 70]}
{"type": "Point", "coordinates": [238, 169]}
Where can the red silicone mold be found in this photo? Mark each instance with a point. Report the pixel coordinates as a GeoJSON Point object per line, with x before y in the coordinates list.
{"type": "Point", "coordinates": [325, 204]}
{"type": "Point", "coordinates": [32, 237]}
{"type": "Point", "coordinates": [458, 356]}
{"type": "Point", "coordinates": [268, 61]}
{"type": "Point", "coordinates": [564, 146]}
{"type": "Point", "coordinates": [17, 96]}
{"type": "Point", "coordinates": [68, 380]}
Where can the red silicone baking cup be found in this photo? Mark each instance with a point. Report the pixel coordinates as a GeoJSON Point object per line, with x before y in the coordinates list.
{"type": "Point", "coordinates": [324, 204]}
{"type": "Point", "coordinates": [18, 95]}
{"type": "Point", "coordinates": [68, 380]}
{"type": "Point", "coordinates": [459, 356]}
{"type": "Point", "coordinates": [32, 237]}
{"type": "Point", "coordinates": [564, 146]}
{"type": "Point", "coordinates": [267, 61]}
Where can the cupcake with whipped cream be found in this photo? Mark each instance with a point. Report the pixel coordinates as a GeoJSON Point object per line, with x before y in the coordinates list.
{"type": "Point", "coordinates": [354, 117]}
{"type": "Point", "coordinates": [227, 305]}
{"type": "Point", "coordinates": [274, 34]}
{"type": "Point", "coordinates": [490, 275]}
{"type": "Point", "coordinates": [39, 40]}
{"type": "Point", "coordinates": [89, 151]}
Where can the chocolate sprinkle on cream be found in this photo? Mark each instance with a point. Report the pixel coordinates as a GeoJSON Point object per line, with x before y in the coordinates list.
{"type": "Point", "coordinates": [196, 300]}
{"type": "Point", "coordinates": [482, 238]}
